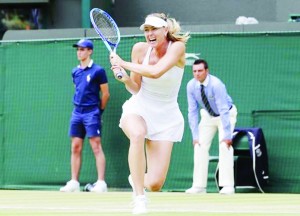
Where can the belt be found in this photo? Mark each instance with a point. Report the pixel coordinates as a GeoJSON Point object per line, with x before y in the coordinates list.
{"type": "Point", "coordinates": [85, 109]}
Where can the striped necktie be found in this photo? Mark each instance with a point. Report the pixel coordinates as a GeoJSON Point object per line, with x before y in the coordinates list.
{"type": "Point", "coordinates": [206, 103]}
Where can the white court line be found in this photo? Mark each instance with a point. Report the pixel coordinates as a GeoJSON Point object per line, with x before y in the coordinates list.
{"type": "Point", "coordinates": [156, 210]}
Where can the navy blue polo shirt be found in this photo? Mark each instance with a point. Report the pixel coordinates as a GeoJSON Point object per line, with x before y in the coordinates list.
{"type": "Point", "coordinates": [87, 84]}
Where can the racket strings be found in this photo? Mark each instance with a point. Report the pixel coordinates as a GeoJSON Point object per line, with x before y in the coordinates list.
{"type": "Point", "coordinates": [106, 27]}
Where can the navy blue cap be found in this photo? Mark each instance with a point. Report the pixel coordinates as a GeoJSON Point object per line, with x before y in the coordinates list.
{"type": "Point", "coordinates": [85, 43]}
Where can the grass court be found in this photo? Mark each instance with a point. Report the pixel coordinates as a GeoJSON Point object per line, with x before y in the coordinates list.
{"type": "Point", "coordinates": [33, 202]}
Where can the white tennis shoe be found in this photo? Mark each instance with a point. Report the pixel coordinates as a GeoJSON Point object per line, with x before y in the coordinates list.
{"type": "Point", "coordinates": [99, 187]}
{"type": "Point", "coordinates": [140, 205]}
{"type": "Point", "coordinates": [71, 186]}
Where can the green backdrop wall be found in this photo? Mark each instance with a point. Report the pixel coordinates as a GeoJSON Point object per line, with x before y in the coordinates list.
{"type": "Point", "coordinates": [261, 71]}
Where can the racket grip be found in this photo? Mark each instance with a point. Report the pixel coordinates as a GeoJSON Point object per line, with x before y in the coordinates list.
{"type": "Point", "coordinates": [119, 75]}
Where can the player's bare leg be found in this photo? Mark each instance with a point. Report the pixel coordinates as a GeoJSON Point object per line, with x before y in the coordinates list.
{"type": "Point", "coordinates": [158, 161]}
{"type": "Point", "coordinates": [135, 129]}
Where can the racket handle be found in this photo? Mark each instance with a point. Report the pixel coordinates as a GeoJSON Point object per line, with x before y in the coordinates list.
{"type": "Point", "coordinates": [119, 75]}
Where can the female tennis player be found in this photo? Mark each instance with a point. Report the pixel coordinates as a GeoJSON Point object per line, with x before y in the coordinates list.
{"type": "Point", "coordinates": [152, 115]}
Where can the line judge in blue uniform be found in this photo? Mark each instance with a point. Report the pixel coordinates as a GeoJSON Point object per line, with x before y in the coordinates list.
{"type": "Point", "coordinates": [90, 82]}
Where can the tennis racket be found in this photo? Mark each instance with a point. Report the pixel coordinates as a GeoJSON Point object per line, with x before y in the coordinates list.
{"type": "Point", "coordinates": [107, 29]}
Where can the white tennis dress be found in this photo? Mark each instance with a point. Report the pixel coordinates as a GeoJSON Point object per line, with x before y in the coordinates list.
{"type": "Point", "coordinates": [156, 103]}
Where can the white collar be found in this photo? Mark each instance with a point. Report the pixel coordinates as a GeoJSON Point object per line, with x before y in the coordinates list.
{"type": "Point", "coordinates": [89, 65]}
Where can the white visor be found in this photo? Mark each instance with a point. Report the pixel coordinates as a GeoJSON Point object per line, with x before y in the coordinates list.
{"type": "Point", "coordinates": [155, 22]}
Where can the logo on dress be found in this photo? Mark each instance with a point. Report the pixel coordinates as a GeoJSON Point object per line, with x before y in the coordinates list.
{"type": "Point", "coordinates": [88, 78]}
